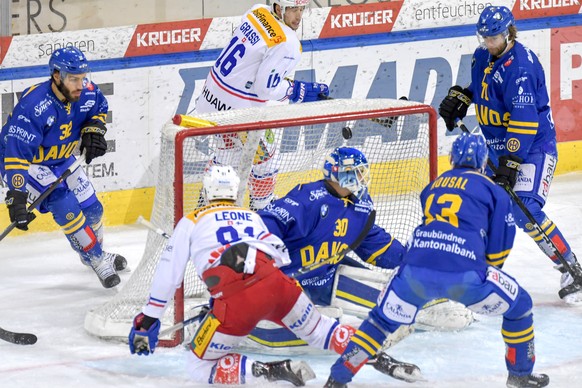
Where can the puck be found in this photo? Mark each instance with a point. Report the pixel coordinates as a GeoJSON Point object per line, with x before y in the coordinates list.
{"type": "Point", "coordinates": [347, 133]}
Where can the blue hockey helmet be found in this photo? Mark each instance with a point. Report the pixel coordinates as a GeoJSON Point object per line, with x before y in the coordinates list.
{"type": "Point", "coordinates": [494, 21]}
{"type": "Point", "coordinates": [348, 167]}
{"type": "Point", "coordinates": [68, 60]}
{"type": "Point", "coordinates": [469, 150]}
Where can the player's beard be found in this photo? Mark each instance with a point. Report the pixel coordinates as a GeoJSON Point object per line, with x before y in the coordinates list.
{"type": "Point", "coordinates": [67, 92]}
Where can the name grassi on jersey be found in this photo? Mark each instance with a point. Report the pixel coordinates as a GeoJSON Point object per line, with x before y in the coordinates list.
{"type": "Point", "coordinates": [249, 33]}
{"type": "Point", "coordinates": [358, 19]}
{"type": "Point", "coordinates": [162, 38]}
{"type": "Point", "coordinates": [528, 5]}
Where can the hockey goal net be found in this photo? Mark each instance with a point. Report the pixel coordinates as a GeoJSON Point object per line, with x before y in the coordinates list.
{"type": "Point", "coordinates": [398, 138]}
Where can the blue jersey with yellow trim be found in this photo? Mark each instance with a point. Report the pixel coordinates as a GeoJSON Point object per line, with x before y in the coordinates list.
{"type": "Point", "coordinates": [43, 130]}
{"type": "Point", "coordinates": [467, 224]}
{"type": "Point", "coordinates": [512, 103]}
{"type": "Point", "coordinates": [314, 225]}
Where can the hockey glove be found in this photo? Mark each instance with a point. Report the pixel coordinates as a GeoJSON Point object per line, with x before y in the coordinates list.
{"type": "Point", "coordinates": [143, 337]}
{"type": "Point", "coordinates": [506, 174]}
{"type": "Point", "coordinates": [16, 203]}
{"type": "Point", "coordinates": [93, 141]}
{"type": "Point", "coordinates": [454, 106]}
{"type": "Point", "coordinates": [306, 91]}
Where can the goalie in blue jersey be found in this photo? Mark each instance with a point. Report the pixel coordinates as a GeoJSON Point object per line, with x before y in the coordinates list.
{"type": "Point", "coordinates": [508, 88]}
{"type": "Point", "coordinates": [318, 219]}
{"type": "Point", "coordinates": [37, 143]}
{"type": "Point", "coordinates": [457, 252]}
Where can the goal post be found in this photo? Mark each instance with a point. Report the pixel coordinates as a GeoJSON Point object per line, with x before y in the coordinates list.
{"type": "Point", "coordinates": [398, 137]}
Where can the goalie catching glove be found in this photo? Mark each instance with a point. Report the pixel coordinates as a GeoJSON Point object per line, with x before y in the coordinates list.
{"type": "Point", "coordinates": [143, 337]}
{"type": "Point", "coordinates": [454, 106]}
{"type": "Point", "coordinates": [93, 140]}
{"type": "Point", "coordinates": [16, 203]}
{"type": "Point", "coordinates": [508, 170]}
{"type": "Point", "coordinates": [306, 91]}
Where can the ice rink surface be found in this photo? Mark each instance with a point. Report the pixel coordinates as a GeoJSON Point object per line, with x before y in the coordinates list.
{"type": "Point", "coordinates": [45, 290]}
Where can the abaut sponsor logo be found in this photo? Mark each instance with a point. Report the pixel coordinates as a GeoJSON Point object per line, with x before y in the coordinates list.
{"type": "Point", "coordinates": [361, 19]}
{"type": "Point", "coordinates": [172, 37]}
{"type": "Point", "coordinates": [524, 9]}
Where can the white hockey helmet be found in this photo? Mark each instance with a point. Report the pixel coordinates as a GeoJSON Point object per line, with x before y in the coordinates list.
{"type": "Point", "coordinates": [220, 182]}
{"type": "Point", "coordinates": [290, 3]}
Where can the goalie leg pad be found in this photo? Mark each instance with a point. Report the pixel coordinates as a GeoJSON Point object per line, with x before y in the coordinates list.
{"type": "Point", "coordinates": [356, 290]}
{"type": "Point", "coordinates": [444, 315]}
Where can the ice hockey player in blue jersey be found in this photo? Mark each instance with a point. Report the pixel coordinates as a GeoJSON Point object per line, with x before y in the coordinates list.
{"type": "Point", "coordinates": [509, 91]}
{"type": "Point", "coordinates": [457, 252]}
{"type": "Point", "coordinates": [317, 220]}
{"type": "Point", "coordinates": [36, 147]}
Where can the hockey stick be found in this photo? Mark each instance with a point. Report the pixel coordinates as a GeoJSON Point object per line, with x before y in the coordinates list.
{"type": "Point", "coordinates": [341, 254]}
{"type": "Point", "coordinates": [17, 338]}
{"type": "Point", "coordinates": [152, 227]}
{"type": "Point", "coordinates": [577, 276]}
{"type": "Point", "coordinates": [386, 123]}
{"type": "Point", "coordinates": [46, 193]}
{"type": "Point", "coordinates": [180, 325]}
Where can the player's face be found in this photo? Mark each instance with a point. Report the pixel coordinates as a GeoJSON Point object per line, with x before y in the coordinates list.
{"type": "Point", "coordinates": [293, 16]}
{"type": "Point", "coordinates": [73, 85]}
{"type": "Point", "coordinates": [495, 44]}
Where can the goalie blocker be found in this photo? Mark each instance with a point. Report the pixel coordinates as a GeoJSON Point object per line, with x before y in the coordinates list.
{"type": "Point", "coordinates": [356, 291]}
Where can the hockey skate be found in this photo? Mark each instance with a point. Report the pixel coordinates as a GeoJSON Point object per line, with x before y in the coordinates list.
{"type": "Point", "coordinates": [533, 380]}
{"type": "Point", "coordinates": [295, 372]}
{"type": "Point", "coordinates": [397, 369]}
{"type": "Point", "coordinates": [571, 289]}
{"type": "Point", "coordinates": [103, 267]}
{"type": "Point", "coordinates": [119, 261]}
{"type": "Point", "coordinates": [331, 383]}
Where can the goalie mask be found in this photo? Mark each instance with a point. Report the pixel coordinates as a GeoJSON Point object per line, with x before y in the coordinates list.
{"type": "Point", "coordinates": [349, 168]}
{"type": "Point", "coordinates": [220, 182]}
{"type": "Point", "coordinates": [469, 151]}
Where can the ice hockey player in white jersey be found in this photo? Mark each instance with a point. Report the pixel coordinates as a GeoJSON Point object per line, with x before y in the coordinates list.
{"type": "Point", "coordinates": [251, 70]}
{"type": "Point", "coordinates": [238, 259]}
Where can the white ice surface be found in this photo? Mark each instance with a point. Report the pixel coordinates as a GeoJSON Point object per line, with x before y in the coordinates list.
{"type": "Point", "coordinates": [44, 289]}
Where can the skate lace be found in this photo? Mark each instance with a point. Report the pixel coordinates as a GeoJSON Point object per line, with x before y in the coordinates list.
{"type": "Point", "coordinates": [103, 267]}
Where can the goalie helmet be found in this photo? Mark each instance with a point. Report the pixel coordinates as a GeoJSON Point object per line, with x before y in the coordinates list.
{"type": "Point", "coordinates": [220, 182]}
{"type": "Point", "coordinates": [469, 151]}
{"type": "Point", "coordinates": [68, 60]}
{"type": "Point", "coordinates": [494, 21]}
{"type": "Point", "coordinates": [348, 167]}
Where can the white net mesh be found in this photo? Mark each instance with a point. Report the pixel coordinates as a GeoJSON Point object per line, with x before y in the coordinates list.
{"type": "Point", "coordinates": [302, 135]}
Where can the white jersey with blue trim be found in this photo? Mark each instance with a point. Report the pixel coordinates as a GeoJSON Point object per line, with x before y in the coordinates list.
{"type": "Point", "coordinates": [251, 69]}
{"type": "Point", "coordinates": [202, 236]}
